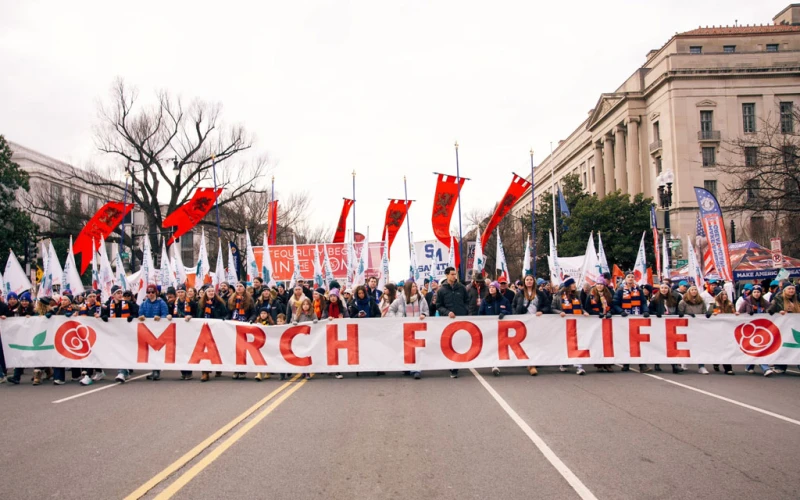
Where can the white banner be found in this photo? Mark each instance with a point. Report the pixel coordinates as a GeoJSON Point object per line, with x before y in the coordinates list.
{"type": "Point", "coordinates": [432, 258]}
{"type": "Point", "coordinates": [396, 344]}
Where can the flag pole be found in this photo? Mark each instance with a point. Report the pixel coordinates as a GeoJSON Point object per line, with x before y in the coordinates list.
{"type": "Point", "coordinates": [460, 233]}
{"type": "Point", "coordinates": [354, 205]}
{"type": "Point", "coordinates": [216, 199]}
{"type": "Point", "coordinates": [124, 206]}
{"type": "Point", "coordinates": [553, 193]}
{"type": "Point", "coordinates": [271, 208]}
{"type": "Point", "coordinates": [533, 223]}
{"type": "Point", "coordinates": [408, 219]}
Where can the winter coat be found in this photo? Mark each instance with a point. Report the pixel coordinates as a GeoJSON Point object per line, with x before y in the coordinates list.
{"type": "Point", "coordinates": [291, 305]}
{"type": "Point", "coordinates": [374, 310]}
{"type": "Point", "coordinates": [180, 309]}
{"type": "Point", "coordinates": [153, 308]}
{"type": "Point", "coordinates": [693, 309]}
{"type": "Point", "coordinates": [303, 317]}
{"type": "Point", "coordinates": [218, 310]}
{"type": "Point", "coordinates": [658, 308]}
{"type": "Point", "coordinates": [473, 292]}
{"type": "Point", "coordinates": [494, 306]}
{"type": "Point", "coordinates": [398, 308]}
{"type": "Point", "coordinates": [248, 313]}
{"type": "Point", "coordinates": [749, 306]}
{"type": "Point", "coordinates": [343, 309]}
{"type": "Point", "coordinates": [623, 302]}
{"type": "Point", "coordinates": [117, 312]}
{"type": "Point", "coordinates": [452, 298]}
{"type": "Point", "coordinates": [429, 299]}
{"type": "Point", "coordinates": [778, 304]}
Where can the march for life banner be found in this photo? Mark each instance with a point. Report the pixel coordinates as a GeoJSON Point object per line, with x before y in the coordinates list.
{"type": "Point", "coordinates": [397, 344]}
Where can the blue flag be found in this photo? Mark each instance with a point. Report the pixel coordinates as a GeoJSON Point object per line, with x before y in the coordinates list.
{"type": "Point", "coordinates": [562, 203]}
{"type": "Point", "coordinates": [653, 220]}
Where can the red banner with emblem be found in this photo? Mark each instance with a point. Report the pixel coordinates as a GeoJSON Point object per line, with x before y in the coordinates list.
{"type": "Point", "coordinates": [191, 213]}
{"type": "Point", "coordinates": [272, 235]}
{"type": "Point", "coordinates": [102, 224]}
{"type": "Point", "coordinates": [513, 194]}
{"type": "Point", "coordinates": [395, 215]}
{"type": "Point", "coordinates": [444, 201]}
{"type": "Point", "coordinates": [341, 228]}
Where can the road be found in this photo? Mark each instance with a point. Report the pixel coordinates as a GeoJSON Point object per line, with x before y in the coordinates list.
{"type": "Point", "coordinates": [620, 435]}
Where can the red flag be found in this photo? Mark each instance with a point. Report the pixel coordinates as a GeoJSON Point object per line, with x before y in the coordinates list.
{"type": "Point", "coordinates": [650, 276]}
{"type": "Point", "coordinates": [708, 262]}
{"type": "Point", "coordinates": [102, 224]}
{"type": "Point", "coordinates": [273, 222]}
{"type": "Point", "coordinates": [515, 191]}
{"type": "Point", "coordinates": [341, 228]}
{"type": "Point", "coordinates": [444, 201]}
{"type": "Point", "coordinates": [616, 272]}
{"type": "Point", "coordinates": [395, 215]}
{"type": "Point", "coordinates": [192, 212]}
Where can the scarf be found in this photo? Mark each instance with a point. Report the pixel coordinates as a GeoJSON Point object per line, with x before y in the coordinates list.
{"type": "Point", "coordinates": [124, 313]}
{"type": "Point", "coordinates": [238, 310]}
{"type": "Point", "coordinates": [318, 308]}
{"type": "Point", "coordinates": [363, 305]}
{"type": "Point", "coordinates": [333, 309]}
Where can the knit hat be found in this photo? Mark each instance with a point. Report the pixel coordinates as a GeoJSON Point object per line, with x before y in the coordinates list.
{"type": "Point", "coordinates": [748, 286]}
{"type": "Point", "coordinates": [540, 282]}
{"type": "Point", "coordinates": [495, 284]}
{"type": "Point", "coordinates": [170, 290]}
{"type": "Point", "coordinates": [568, 282]}
{"type": "Point", "coordinates": [600, 281]}
{"type": "Point", "coordinates": [26, 296]}
{"type": "Point", "coordinates": [181, 288]}
{"type": "Point", "coordinates": [264, 310]}
{"type": "Point", "coordinates": [127, 293]}
{"type": "Point", "coordinates": [758, 288]}
{"type": "Point", "coordinates": [683, 283]}
{"type": "Point", "coordinates": [12, 295]}
{"type": "Point", "coordinates": [335, 285]}
{"type": "Point", "coordinates": [320, 291]}
{"type": "Point", "coordinates": [152, 289]}
{"type": "Point", "coordinates": [334, 292]}
{"type": "Point", "coordinates": [115, 289]}
{"type": "Point", "coordinates": [774, 283]}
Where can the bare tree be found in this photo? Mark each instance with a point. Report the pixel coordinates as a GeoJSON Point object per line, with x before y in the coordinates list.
{"type": "Point", "coordinates": [511, 234]}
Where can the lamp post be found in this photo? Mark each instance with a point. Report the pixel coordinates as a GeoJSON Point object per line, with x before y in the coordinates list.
{"type": "Point", "coordinates": [665, 180]}
{"type": "Point", "coordinates": [533, 223]}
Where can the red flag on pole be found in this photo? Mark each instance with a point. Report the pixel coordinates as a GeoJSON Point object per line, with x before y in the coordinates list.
{"type": "Point", "coordinates": [444, 201]}
{"type": "Point", "coordinates": [515, 191]}
{"type": "Point", "coordinates": [395, 215]}
{"type": "Point", "coordinates": [192, 212]}
{"type": "Point", "coordinates": [341, 228]}
{"type": "Point", "coordinates": [102, 224]}
{"type": "Point", "coordinates": [273, 222]}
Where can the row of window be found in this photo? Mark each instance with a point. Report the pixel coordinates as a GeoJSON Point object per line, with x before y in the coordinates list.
{"type": "Point", "coordinates": [57, 193]}
{"type": "Point", "coordinates": [730, 49]}
{"type": "Point", "coordinates": [788, 152]}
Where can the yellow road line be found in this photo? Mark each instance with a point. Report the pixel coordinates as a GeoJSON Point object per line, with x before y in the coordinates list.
{"type": "Point", "coordinates": [187, 476]}
{"type": "Point", "coordinates": [194, 452]}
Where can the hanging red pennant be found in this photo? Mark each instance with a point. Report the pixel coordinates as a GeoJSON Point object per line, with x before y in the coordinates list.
{"type": "Point", "coordinates": [102, 224]}
{"type": "Point", "coordinates": [444, 201]}
{"type": "Point", "coordinates": [515, 191]}
{"type": "Point", "coordinates": [273, 222]}
{"type": "Point", "coordinates": [395, 215]}
{"type": "Point", "coordinates": [192, 212]}
{"type": "Point", "coordinates": [341, 228]}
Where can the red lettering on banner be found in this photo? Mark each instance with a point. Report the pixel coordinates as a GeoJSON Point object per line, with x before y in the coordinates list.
{"type": "Point", "coordinates": [147, 340]}
{"type": "Point", "coordinates": [205, 348]}
{"type": "Point", "coordinates": [506, 343]}
{"type": "Point", "coordinates": [673, 337]}
{"type": "Point", "coordinates": [411, 343]}
{"type": "Point", "coordinates": [334, 344]}
{"type": "Point", "coordinates": [635, 335]}
{"type": "Point", "coordinates": [608, 338]}
{"type": "Point", "coordinates": [572, 341]}
{"type": "Point", "coordinates": [447, 341]}
{"type": "Point", "coordinates": [243, 347]}
{"type": "Point", "coordinates": [286, 345]}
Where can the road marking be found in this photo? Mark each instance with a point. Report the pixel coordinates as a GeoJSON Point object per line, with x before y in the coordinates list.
{"type": "Point", "coordinates": [109, 386]}
{"type": "Point", "coordinates": [197, 450]}
{"type": "Point", "coordinates": [187, 476]}
{"type": "Point", "coordinates": [556, 462]}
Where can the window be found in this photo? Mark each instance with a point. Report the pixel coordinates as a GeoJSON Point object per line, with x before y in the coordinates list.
{"type": "Point", "coordinates": [706, 122]}
{"type": "Point", "coordinates": [711, 187]}
{"type": "Point", "coordinates": [750, 156]}
{"type": "Point", "coordinates": [656, 131]}
{"type": "Point", "coordinates": [772, 47]}
{"type": "Point", "coordinates": [91, 204]}
{"type": "Point", "coordinates": [74, 199]}
{"type": "Point", "coordinates": [789, 156]}
{"type": "Point", "coordinates": [658, 165]}
{"type": "Point", "coordinates": [709, 157]}
{"type": "Point", "coordinates": [187, 247]}
{"type": "Point", "coordinates": [55, 192]}
{"type": "Point", "coordinates": [729, 49]}
{"type": "Point", "coordinates": [695, 49]}
{"type": "Point", "coordinates": [787, 118]}
{"type": "Point", "coordinates": [585, 184]}
{"type": "Point", "coordinates": [752, 187]}
{"type": "Point", "coordinates": [749, 117]}
{"type": "Point", "coordinates": [757, 228]}
{"type": "Point", "coordinates": [593, 180]}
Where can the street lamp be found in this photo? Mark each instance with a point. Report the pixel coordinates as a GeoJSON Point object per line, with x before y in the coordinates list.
{"type": "Point", "coordinates": [665, 180]}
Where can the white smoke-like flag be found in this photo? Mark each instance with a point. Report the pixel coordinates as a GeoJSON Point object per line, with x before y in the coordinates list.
{"type": "Point", "coordinates": [413, 269]}
{"type": "Point", "coordinates": [479, 262]}
{"type": "Point", "coordinates": [106, 275]}
{"type": "Point", "coordinates": [71, 278]}
{"type": "Point", "coordinates": [500, 261]}
{"type": "Point", "coordinates": [15, 278]}
{"type": "Point", "coordinates": [327, 266]}
{"type": "Point", "coordinates": [167, 277]}
{"type": "Point", "coordinates": [147, 273]}
{"type": "Point", "coordinates": [555, 268]}
{"type": "Point", "coordinates": [451, 257]}
{"type": "Point", "coordinates": [384, 275]}
{"type": "Point", "coordinates": [665, 266]}
{"type": "Point", "coordinates": [526, 260]}
{"type": "Point", "coordinates": [319, 278]}
{"type": "Point", "coordinates": [591, 268]}
{"type": "Point", "coordinates": [361, 269]}
{"type": "Point", "coordinates": [296, 271]}
{"type": "Point", "coordinates": [219, 273]}
{"type": "Point", "coordinates": [177, 264]}
{"type": "Point", "coordinates": [640, 267]}
{"type": "Point", "coordinates": [694, 266]}
{"type": "Point", "coordinates": [601, 255]}
{"type": "Point", "coordinates": [267, 271]}
{"type": "Point", "coordinates": [119, 272]}
{"type": "Point", "coordinates": [250, 258]}
{"type": "Point", "coordinates": [232, 274]}
{"type": "Point", "coordinates": [55, 266]}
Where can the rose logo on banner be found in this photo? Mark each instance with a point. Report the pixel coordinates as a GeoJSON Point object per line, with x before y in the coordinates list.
{"type": "Point", "coordinates": [758, 338]}
{"type": "Point", "coordinates": [74, 340]}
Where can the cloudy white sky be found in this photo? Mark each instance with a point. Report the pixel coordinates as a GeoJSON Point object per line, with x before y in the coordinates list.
{"type": "Point", "coordinates": [328, 87]}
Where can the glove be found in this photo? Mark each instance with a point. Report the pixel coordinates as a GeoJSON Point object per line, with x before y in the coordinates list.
{"type": "Point", "coordinates": [624, 314]}
{"type": "Point", "coordinates": [169, 317]}
{"type": "Point", "coordinates": [130, 318]}
{"type": "Point", "coordinates": [708, 314]}
{"type": "Point", "coordinates": [646, 314]}
{"type": "Point", "coordinates": [69, 314]}
{"type": "Point", "coordinates": [680, 315]}
{"type": "Point", "coordinates": [501, 315]}
{"type": "Point", "coordinates": [294, 323]}
{"type": "Point", "coordinates": [48, 315]}
{"type": "Point", "coordinates": [771, 313]}
{"type": "Point", "coordinates": [315, 320]}
{"type": "Point", "coordinates": [104, 318]}
{"type": "Point", "coordinates": [692, 315]}
{"type": "Point", "coordinates": [752, 312]}
{"type": "Point", "coordinates": [658, 315]}
{"type": "Point", "coordinates": [141, 318]}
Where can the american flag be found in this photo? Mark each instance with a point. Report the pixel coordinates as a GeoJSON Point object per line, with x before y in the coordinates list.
{"type": "Point", "coordinates": [708, 259]}
{"type": "Point", "coordinates": [700, 231]}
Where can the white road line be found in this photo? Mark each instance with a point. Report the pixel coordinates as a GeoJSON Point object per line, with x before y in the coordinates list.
{"type": "Point", "coordinates": [556, 462]}
{"type": "Point", "coordinates": [109, 386]}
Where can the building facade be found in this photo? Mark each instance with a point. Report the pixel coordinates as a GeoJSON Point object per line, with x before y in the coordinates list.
{"type": "Point", "coordinates": [702, 89]}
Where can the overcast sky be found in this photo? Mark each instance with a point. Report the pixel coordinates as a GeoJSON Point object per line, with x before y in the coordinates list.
{"type": "Point", "coordinates": [328, 87]}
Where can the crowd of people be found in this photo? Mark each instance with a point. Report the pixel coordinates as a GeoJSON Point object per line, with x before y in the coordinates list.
{"type": "Point", "coordinates": [276, 305]}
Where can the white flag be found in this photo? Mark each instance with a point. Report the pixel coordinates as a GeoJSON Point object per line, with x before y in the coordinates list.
{"type": "Point", "coordinates": [203, 267]}
{"type": "Point", "coordinates": [106, 275]}
{"type": "Point", "coordinates": [167, 277]}
{"type": "Point", "coordinates": [55, 266]}
{"type": "Point", "coordinates": [601, 255]}
{"type": "Point", "coordinates": [233, 273]}
{"type": "Point", "coordinates": [694, 267]}
{"type": "Point", "coordinates": [296, 271]}
{"type": "Point", "coordinates": [95, 268]}
{"type": "Point", "coordinates": [250, 259]}
{"type": "Point", "coordinates": [640, 267]}
{"type": "Point", "coordinates": [526, 260]}
{"type": "Point", "coordinates": [479, 262]}
{"type": "Point", "coordinates": [15, 278]}
{"type": "Point", "coordinates": [219, 272]}
{"type": "Point", "coordinates": [351, 262]}
{"type": "Point", "coordinates": [413, 270]}
{"type": "Point", "coordinates": [119, 272]}
{"type": "Point", "coordinates": [267, 270]}
{"type": "Point", "coordinates": [361, 267]}
{"type": "Point", "coordinates": [451, 257]}
{"type": "Point", "coordinates": [327, 266]}
{"type": "Point", "coordinates": [319, 278]}
{"type": "Point", "coordinates": [177, 264]}
{"type": "Point", "coordinates": [591, 268]}
{"type": "Point", "coordinates": [555, 268]}
{"type": "Point", "coordinates": [665, 263]}
{"type": "Point", "coordinates": [71, 279]}
{"type": "Point", "coordinates": [500, 260]}
{"type": "Point", "coordinates": [147, 275]}
{"type": "Point", "coordinates": [383, 278]}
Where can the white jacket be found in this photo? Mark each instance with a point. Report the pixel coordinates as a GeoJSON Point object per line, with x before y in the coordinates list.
{"type": "Point", "coordinates": [398, 307]}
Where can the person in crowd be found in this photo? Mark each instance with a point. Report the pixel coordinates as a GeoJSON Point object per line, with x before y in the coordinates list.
{"type": "Point", "coordinates": [224, 292]}
{"type": "Point", "coordinates": [630, 299]}
{"type": "Point", "coordinates": [531, 300]}
{"type": "Point", "coordinates": [430, 297]}
{"type": "Point", "coordinates": [477, 291]}
{"type": "Point", "coordinates": [495, 304]}
{"type": "Point", "coordinates": [693, 305]}
{"type": "Point", "coordinates": [266, 301]}
{"type": "Point", "coordinates": [410, 303]}
{"type": "Point", "coordinates": [372, 289]}
{"type": "Point", "coordinates": [756, 304]}
{"type": "Point", "coordinates": [567, 302]}
{"type": "Point", "coordinates": [784, 302]}
{"type": "Point", "coordinates": [283, 294]}
{"type": "Point", "coordinates": [319, 303]}
{"type": "Point", "coordinates": [387, 298]}
{"type": "Point", "coordinates": [170, 298]}
{"type": "Point", "coordinates": [211, 307]}
{"type": "Point", "coordinates": [505, 291]}
{"type": "Point", "coordinates": [263, 318]}
{"type": "Point", "coordinates": [363, 305]}
{"type": "Point", "coordinates": [747, 289]}
{"type": "Point", "coordinates": [276, 303]}
{"type": "Point", "coordinates": [186, 309]}
{"type": "Point", "coordinates": [723, 305]}
{"type": "Point", "coordinates": [240, 305]}
{"type": "Point", "coordinates": [335, 307]}
{"type": "Point", "coordinates": [544, 286]}
{"type": "Point", "coordinates": [774, 285]}
{"type": "Point", "coordinates": [22, 308]}
{"type": "Point", "coordinates": [258, 285]}
{"type": "Point", "coordinates": [295, 300]}
{"type": "Point", "coordinates": [586, 289]}
{"type": "Point", "coordinates": [347, 297]}
{"type": "Point", "coordinates": [192, 295]}
{"type": "Point", "coordinates": [682, 287]}
{"type": "Point", "coordinates": [452, 300]}
{"type": "Point", "coordinates": [91, 307]}
{"type": "Point", "coordinates": [665, 303]}
{"type": "Point", "coordinates": [598, 303]}
{"type": "Point", "coordinates": [63, 307]}
{"type": "Point", "coordinates": [154, 307]}
{"type": "Point", "coordinates": [279, 321]}
{"type": "Point", "coordinates": [121, 305]}
{"type": "Point", "coordinates": [305, 313]}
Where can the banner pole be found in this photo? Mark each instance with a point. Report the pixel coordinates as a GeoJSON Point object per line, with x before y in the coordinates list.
{"type": "Point", "coordinates": [408, 218]}
{"type": "Point", "coordinates": [553, 193]}
{"type": "Point", "coordinates": [460, 233]}
{"type": "Point", "coordinates": [216, 200]}
{"type": "Point", "coordinates": [354, 206]}
{"type": "Point", "coordinates": [533, 222]}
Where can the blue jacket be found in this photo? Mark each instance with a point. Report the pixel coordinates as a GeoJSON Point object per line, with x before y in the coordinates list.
{"type": "Point", "coordinates": [151, 309]}
{"type": "Point", "coordinates": [495, 307]}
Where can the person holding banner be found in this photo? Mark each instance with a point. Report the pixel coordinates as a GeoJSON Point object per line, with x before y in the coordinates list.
{"type": "Point", "coordinates": [363, 305]}
{"type": "Point", "coordinates": [410, 303]}
{"type": "Point", "coordinates": [567, 301]}
{"type": "Point", "coordinates": [530, 300]}
{"type": "Point", "coordinates": [211, 307]}
{"type": "Point", "coordinates": [294, 301]}
{"type": "Point", "coordinates": [184, 308]}
{"type": "Point", "coordinates": [20, 309]}
{"type": "Point", "coordinates": [784, 302]}
{"type": "Point", "coordinates": [723, 305]}
{"type": "Point", "coordinates": [452, 300]}
{"type": "Point", "coordinates": [388, 296]}
{"type": "Point", "coordinates": [693, 304]}
{"type": "Point", "coordinates": [495, 304]}
{"type": "Point", "coordinates": [630, 299]}
{"type": "Point", "coordinates": [598, 303]}
{"type": "Point", "coordinates": [756, 303]}
{"type": "Point", "coordinates": [335, 308]}
{"type": "Point", "coordinates": [664, 303]}
{"type": "Point", "coordinates": [90, 308]}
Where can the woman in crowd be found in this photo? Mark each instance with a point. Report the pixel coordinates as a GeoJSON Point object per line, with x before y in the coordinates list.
{"type": "Point", "coordinates": [784, 302]}
{"type": "Point", "coordinates": [567, 301]}
{"type": "Point", "coordinates": [319, 303]}
{"type": "Point", "coordinates": [23, 309]}
{"type": "Point", "coordinates": [186, 309]}
{"type": "Point", "coordinates": [494, 304]}
{"type": "Point", "coordinates": [756, 304]}
{"type": "Point", "coordinates": [90, 308]}
{"type": "Point", "coordinates": [363, 306]}
{"type": "Point", "coordinates": [294, 301]}
{"type": "Point", "coordinates": [191, 295]}
{"type": "Point", "coordinates": [665, 303]}
{"type": "Point", "coordinates": [387, 298]}
{"type": "Point", "coordinates": [263, 319]}
{"type": "Point", "coordinates": [694, 305]}
{"type": "Point", "coordinates": [530, 300]}
{"type": "Point", "coordinates": [305, 313]}
{"type": "Point", "coordinates": [264, 301]}
{"type": "Point", "coordinates": [598, 303]}
{"type": "Point", "coordinates": [723, 305]}
{"type": "Point", "coordinates": [335, 308]}
{"type": "Point", "coordinates": [211, 307]}
{"type": "Point", "coordinates": [410, 303]}
{"type": "Point", "coordinates": [240, 306]}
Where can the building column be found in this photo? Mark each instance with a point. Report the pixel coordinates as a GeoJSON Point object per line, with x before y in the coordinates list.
{"type": "Point", "coordinates": [634, 169]}
{"type": "Point", "coordinates": [608, 163]}
{"type": "Point", "coordinates": [620, 172]}
{"type": "Point", "coordinates": [599, 179]}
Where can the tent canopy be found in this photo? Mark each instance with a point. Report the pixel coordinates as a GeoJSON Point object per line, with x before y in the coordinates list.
{"type": "Point", "coordinates": [751, 261]}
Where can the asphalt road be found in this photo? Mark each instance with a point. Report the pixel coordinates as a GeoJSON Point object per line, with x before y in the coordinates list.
{"type": "Point", "coordinates": [620, 435]}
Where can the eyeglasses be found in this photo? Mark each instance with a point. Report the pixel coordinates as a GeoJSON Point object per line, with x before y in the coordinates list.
{"type": "Point", "coordinates": [151, 293]}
